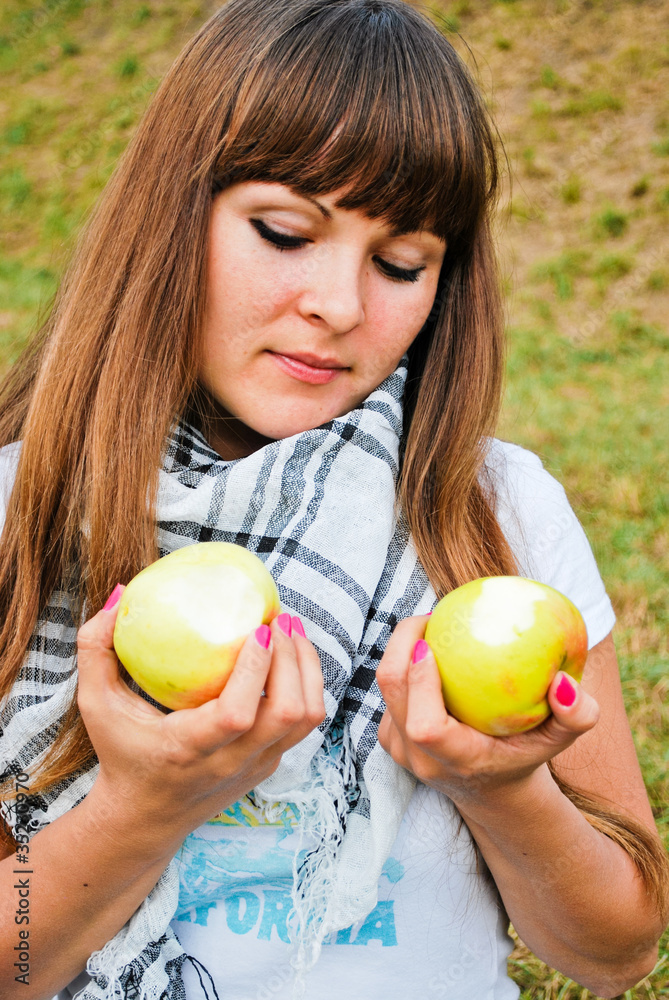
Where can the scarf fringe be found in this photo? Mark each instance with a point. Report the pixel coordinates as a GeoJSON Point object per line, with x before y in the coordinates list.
{"type": "Point", "coordinates": [323, 804]}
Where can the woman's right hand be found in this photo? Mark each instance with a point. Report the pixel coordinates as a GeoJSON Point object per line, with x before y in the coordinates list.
{"type": "Point", "coordinates": [168, 773]}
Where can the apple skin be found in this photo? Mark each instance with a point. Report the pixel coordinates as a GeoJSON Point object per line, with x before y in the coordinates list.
{"type": "Point", "coordinates": [182, 621]}
{"type": "Point", "coordinates": [499, 642]}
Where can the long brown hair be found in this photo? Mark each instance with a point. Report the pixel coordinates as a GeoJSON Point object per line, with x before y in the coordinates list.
{"type": "Point", "coordinates": [372, 99]}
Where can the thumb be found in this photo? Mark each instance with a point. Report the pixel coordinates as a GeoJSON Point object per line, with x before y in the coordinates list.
{"type": "Point", "coordinates": [96, 637]}
{"type": "Point", "coordinates": [574, 710]}
{"type": "Point", "coordinates": [98, 673]}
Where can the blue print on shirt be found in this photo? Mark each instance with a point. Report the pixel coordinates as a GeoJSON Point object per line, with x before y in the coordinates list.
{"type": "Point", "coordinates": [250, 879]}
{"type": "Point", "coordinates": [379, 925]}
{"type": "Point", "coordinates": [393, 870]}
{"type": "Point", "coordinates": [267, 911]}
{"type": "Point", "coordinates": [242, 910]}
{"type": "Point", "coordinates": [255, 891]}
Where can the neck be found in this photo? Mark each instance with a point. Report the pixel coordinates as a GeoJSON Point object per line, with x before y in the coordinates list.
{"type": "Point", "coordinates": [227, 435]}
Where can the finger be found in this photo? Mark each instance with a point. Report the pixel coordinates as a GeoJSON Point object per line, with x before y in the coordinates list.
{"type": "Point", "coordinates": [392, 672]}
{"type": "Point", "coordinates": [294, 705]}
{"type": "Point", "coordinates": [392, 742]}
{"type": "Point", "coordinates": [283, 710]}
{"type": "Point", "coordinates": [221, 720]}
{"type": "Point", "coordinates": [311, 673]}
{"type": "Point", "coordinates": [283, 681]}
{"type": "Point", "coordinates": [574, 710]}
{"type": "Point", "coordinates": [241, 713]}
{"type": "Point", "coordinates": [427, 721]}
{"type": "Point", "coordinates": [98, 631]}
{"type": "Point", "coordinates": [102, 693]}
{"type": "Point", "coordinates": [97, 664]}
{"type": "Point", "coordinates": [565, 723]}
{"type": "Point", "coordinates": [385, 726]}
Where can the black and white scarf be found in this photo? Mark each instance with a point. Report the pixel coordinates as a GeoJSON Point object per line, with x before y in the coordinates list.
{"type": "Point", "coordinates": [319, 509]}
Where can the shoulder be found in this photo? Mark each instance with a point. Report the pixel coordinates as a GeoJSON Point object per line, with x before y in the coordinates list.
{"type": "Point", "coordinates": [525, 492]}
{"type": "Point", "coordinates": [9, 460]}
{"type": "Point", "coordinates": [527, 497]}
{"type": "Point", "coordinates": [544, 533]}
{"type": "Point", "coordinates": [515, 465]}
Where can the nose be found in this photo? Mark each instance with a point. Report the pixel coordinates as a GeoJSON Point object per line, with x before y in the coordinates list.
{"type": "Point", "coordinates": [333, 288]}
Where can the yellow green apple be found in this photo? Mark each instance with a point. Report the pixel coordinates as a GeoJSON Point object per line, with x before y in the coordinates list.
{"type": "Point", "coordinates": [182, 621]}
{"type": "Point", "coordinates": [499, 642]}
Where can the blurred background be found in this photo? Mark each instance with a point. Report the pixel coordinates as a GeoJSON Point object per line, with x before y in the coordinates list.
{"type": "Point", "coordinates": [580, 93]}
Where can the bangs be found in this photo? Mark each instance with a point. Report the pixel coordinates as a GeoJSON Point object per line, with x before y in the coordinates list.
{"type": "Point", "coordinates": [369, 97]}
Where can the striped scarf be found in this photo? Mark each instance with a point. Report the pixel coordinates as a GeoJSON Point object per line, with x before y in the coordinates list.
{"type": "Point", "coordinates": [319, 509]}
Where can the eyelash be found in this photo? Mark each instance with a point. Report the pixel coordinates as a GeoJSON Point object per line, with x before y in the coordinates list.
{"type": "Point", "coordinates": [284, 242]}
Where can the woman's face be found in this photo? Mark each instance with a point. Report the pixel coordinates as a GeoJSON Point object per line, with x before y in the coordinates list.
{"type": "Point", "coordinates": [289, 276]}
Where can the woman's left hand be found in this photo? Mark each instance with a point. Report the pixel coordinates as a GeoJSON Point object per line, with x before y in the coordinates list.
{"type": "Point", "coordinates": [463, 763]}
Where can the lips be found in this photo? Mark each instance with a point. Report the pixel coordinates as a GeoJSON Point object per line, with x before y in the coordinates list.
{"type": "Point", "coordinates": [312, 360]}
{"type": "Point", "coordinates": [317, 371]}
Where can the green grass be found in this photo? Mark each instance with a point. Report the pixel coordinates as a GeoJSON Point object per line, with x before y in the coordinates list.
{"type": "Point", "coordinates": [597, 416]}
{"type": "Point", "coordinates": [612, 222]}
{"type": "Point", "coordinates": [561, 271]}
{"type": "Point", "coordinates": [549, 78]}
{"type": "Point", "coordinates": [447, 20]}
{"type": "Point", "coordinates": [658, 281]}
{"type": "Point", "coordinates": [571, 190]}
{"type": "Point", "coordinates": [127, 66]}
{"type": "Point", "coordinates": [590, 104]}
{"type": "Point", "coordinates": [502, 43]}
{"type": "Point", "coordinates": [661, 148]}
{"type": "Point", "coordinates": [584, 258]}
{"type": "Point", "coordinates": [641, 187]}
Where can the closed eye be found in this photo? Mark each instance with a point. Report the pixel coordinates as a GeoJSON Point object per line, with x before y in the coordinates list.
{"type": "Point", "coordinates": [284, 242]}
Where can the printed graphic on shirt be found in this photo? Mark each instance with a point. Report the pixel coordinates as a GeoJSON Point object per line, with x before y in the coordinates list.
{"type": "Point", "coordinates": [247, 813]}
{"type": "Point", "coordinates": [240, 864]}
{"type": "Point", "coordinates": [250, 877]}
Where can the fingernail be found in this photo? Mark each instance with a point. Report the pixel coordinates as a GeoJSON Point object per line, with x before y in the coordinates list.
{"type": "Point", "coordinates": [283, 621]}
{"type": "Point", "coordinates": [565, 692]}
{"type": "Point", "coordinates": [263, 635]}
{"type": "Point", "coordinates": [420, 651]}
{"type": "Point", "coordinates": [429, 612]}
{"type": "Point", "coordinates": [113, 598]}
{"type": "Point", "coordinates": [297, 626]}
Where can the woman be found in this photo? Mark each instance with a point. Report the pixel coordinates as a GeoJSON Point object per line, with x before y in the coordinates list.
{"type": "Point", "coordinates": [283, 326]}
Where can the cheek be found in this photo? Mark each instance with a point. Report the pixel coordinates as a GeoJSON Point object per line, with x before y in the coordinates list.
{"type": "Point", "coordinates": [399, 318]}
{"type": "Point", "coordinates": [243, 295]}
{"type": "Point", "coordinates": [245, 285]}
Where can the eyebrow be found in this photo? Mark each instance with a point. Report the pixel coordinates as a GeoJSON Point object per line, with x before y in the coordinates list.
{"type": "Point", "coordinates": [395, 233]}
{"type": "Point", "coordinates": [321, 208]}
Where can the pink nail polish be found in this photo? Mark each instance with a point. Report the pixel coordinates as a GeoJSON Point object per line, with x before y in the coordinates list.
{"type": "Point", "coordinates": [429, 612]}
{"type": "Point", "coordinates": [283, 621]}
{"type": "Point", "coordinates": [297, 625]}
{"type": "Point", "coordinates": [420, 651]}
{"type": "Point", "coordinates": [113, 598]}
{"type": "Point", "coordinates": [565, 692]}
{"type": "Point", "coordinates": [263, 636]}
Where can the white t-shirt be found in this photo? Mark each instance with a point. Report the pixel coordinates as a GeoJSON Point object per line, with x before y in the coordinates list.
{"type": "Point", "coordinates": [438, 930]}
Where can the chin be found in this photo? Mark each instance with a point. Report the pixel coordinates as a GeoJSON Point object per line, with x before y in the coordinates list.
{"type": "Point", "coordinates": [289, 430]}
{"type": "Point", "coordinates": [277, 430]}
